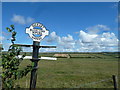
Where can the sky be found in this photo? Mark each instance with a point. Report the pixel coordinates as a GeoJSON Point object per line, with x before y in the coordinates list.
{"type": "Point", "coordinates": [73, 26]}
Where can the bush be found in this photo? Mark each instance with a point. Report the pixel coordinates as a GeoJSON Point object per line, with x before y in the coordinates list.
{"type": "Point", "coordinates": [11, 62]}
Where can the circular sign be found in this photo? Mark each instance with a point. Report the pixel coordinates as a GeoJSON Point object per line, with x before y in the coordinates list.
{"type": "Point", "coordinates": [37, 31]}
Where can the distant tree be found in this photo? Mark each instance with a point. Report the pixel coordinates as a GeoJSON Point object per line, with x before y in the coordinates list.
{"type": "Point", "coordinates": [11, 62]}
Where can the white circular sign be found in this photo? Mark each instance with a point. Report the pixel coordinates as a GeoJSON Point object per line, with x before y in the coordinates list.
{"type": "Point", "coordinates": [37, 31]}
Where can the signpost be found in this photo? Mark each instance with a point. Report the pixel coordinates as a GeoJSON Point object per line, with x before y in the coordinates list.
{"type": "Point", "coordinates": [33, 30]}
{"type": "Point", "coordinates": [37, 32]}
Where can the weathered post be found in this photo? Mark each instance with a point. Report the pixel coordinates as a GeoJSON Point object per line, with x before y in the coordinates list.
{"type": "Point", "coordinates": [35, 63]}
{"type": "Point", "coordinates": [115, 82]}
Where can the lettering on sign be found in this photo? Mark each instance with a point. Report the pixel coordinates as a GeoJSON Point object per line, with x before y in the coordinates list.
{"type": "Point", "coordinates": [34, 30]}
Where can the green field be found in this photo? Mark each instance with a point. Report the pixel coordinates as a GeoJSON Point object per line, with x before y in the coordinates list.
{"type": "Point", "coordinates": [82, 70]}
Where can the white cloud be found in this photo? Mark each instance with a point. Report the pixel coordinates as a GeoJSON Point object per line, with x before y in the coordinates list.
{"type": "Point", "coordinates": [62, 42]}
{"type": "Point", "coordinates": [98, 42]}
{"type": "Point", "coordinates": [104, 27]}
{"type": "Point", "coordinates": [66, 42]}
{"type": "Point", "coordinates": [109, 39]}
{"type": "Point", "coordinates": [53, 37]}
{"type": "Point", "coordinates": [69, 38]}
{"type": "Point", "coordinates": [87, 42]}
{"type": "Point", "coordinates": [21, 19]}
{"type": "Point", "coordinates": [87, 38]}
{"type": "Point", "coordinates": [18, 19]}
{"type": "Point", "coordinates": [97, 28]}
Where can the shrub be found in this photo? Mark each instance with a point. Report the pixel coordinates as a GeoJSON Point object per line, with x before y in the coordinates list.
{"type": "Point", "coordinates": [11, 62]}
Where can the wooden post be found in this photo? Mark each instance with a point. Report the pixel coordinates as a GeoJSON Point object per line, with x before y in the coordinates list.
{"type": "Point", "coordinates": [35, 61]}
{"type": "Point", "coordinates": [115, 82]}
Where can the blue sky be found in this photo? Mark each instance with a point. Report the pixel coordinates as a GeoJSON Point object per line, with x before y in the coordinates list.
{"type": "Point", "coordinates": [73, 26]}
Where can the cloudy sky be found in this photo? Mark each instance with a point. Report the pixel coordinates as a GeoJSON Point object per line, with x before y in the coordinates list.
{"type": "Point", "coordinates": [73, 26]}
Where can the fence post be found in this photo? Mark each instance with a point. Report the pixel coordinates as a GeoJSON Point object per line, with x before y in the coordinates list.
{"type": "Point", "coordinates": [115, 82]}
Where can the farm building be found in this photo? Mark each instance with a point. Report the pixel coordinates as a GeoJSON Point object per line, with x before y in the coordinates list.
{"type": "Point", "coordinates": [62, 55]}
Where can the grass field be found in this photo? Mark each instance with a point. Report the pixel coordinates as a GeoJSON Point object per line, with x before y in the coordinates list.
{"type": "Point", "coordinates": [81, 71]}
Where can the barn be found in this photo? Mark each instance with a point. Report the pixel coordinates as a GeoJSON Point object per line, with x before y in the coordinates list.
{"type": "Point", "coordinates": [62, 55]}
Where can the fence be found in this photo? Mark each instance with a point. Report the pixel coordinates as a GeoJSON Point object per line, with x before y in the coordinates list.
{"type": "Point", "coordinates": [114, 79]}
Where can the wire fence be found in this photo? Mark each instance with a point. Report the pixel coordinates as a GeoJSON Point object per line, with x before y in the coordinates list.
{"type": "Point", "coordinates": [93, 83]}
{"type": "Point", "coordinates": [86, 85]}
